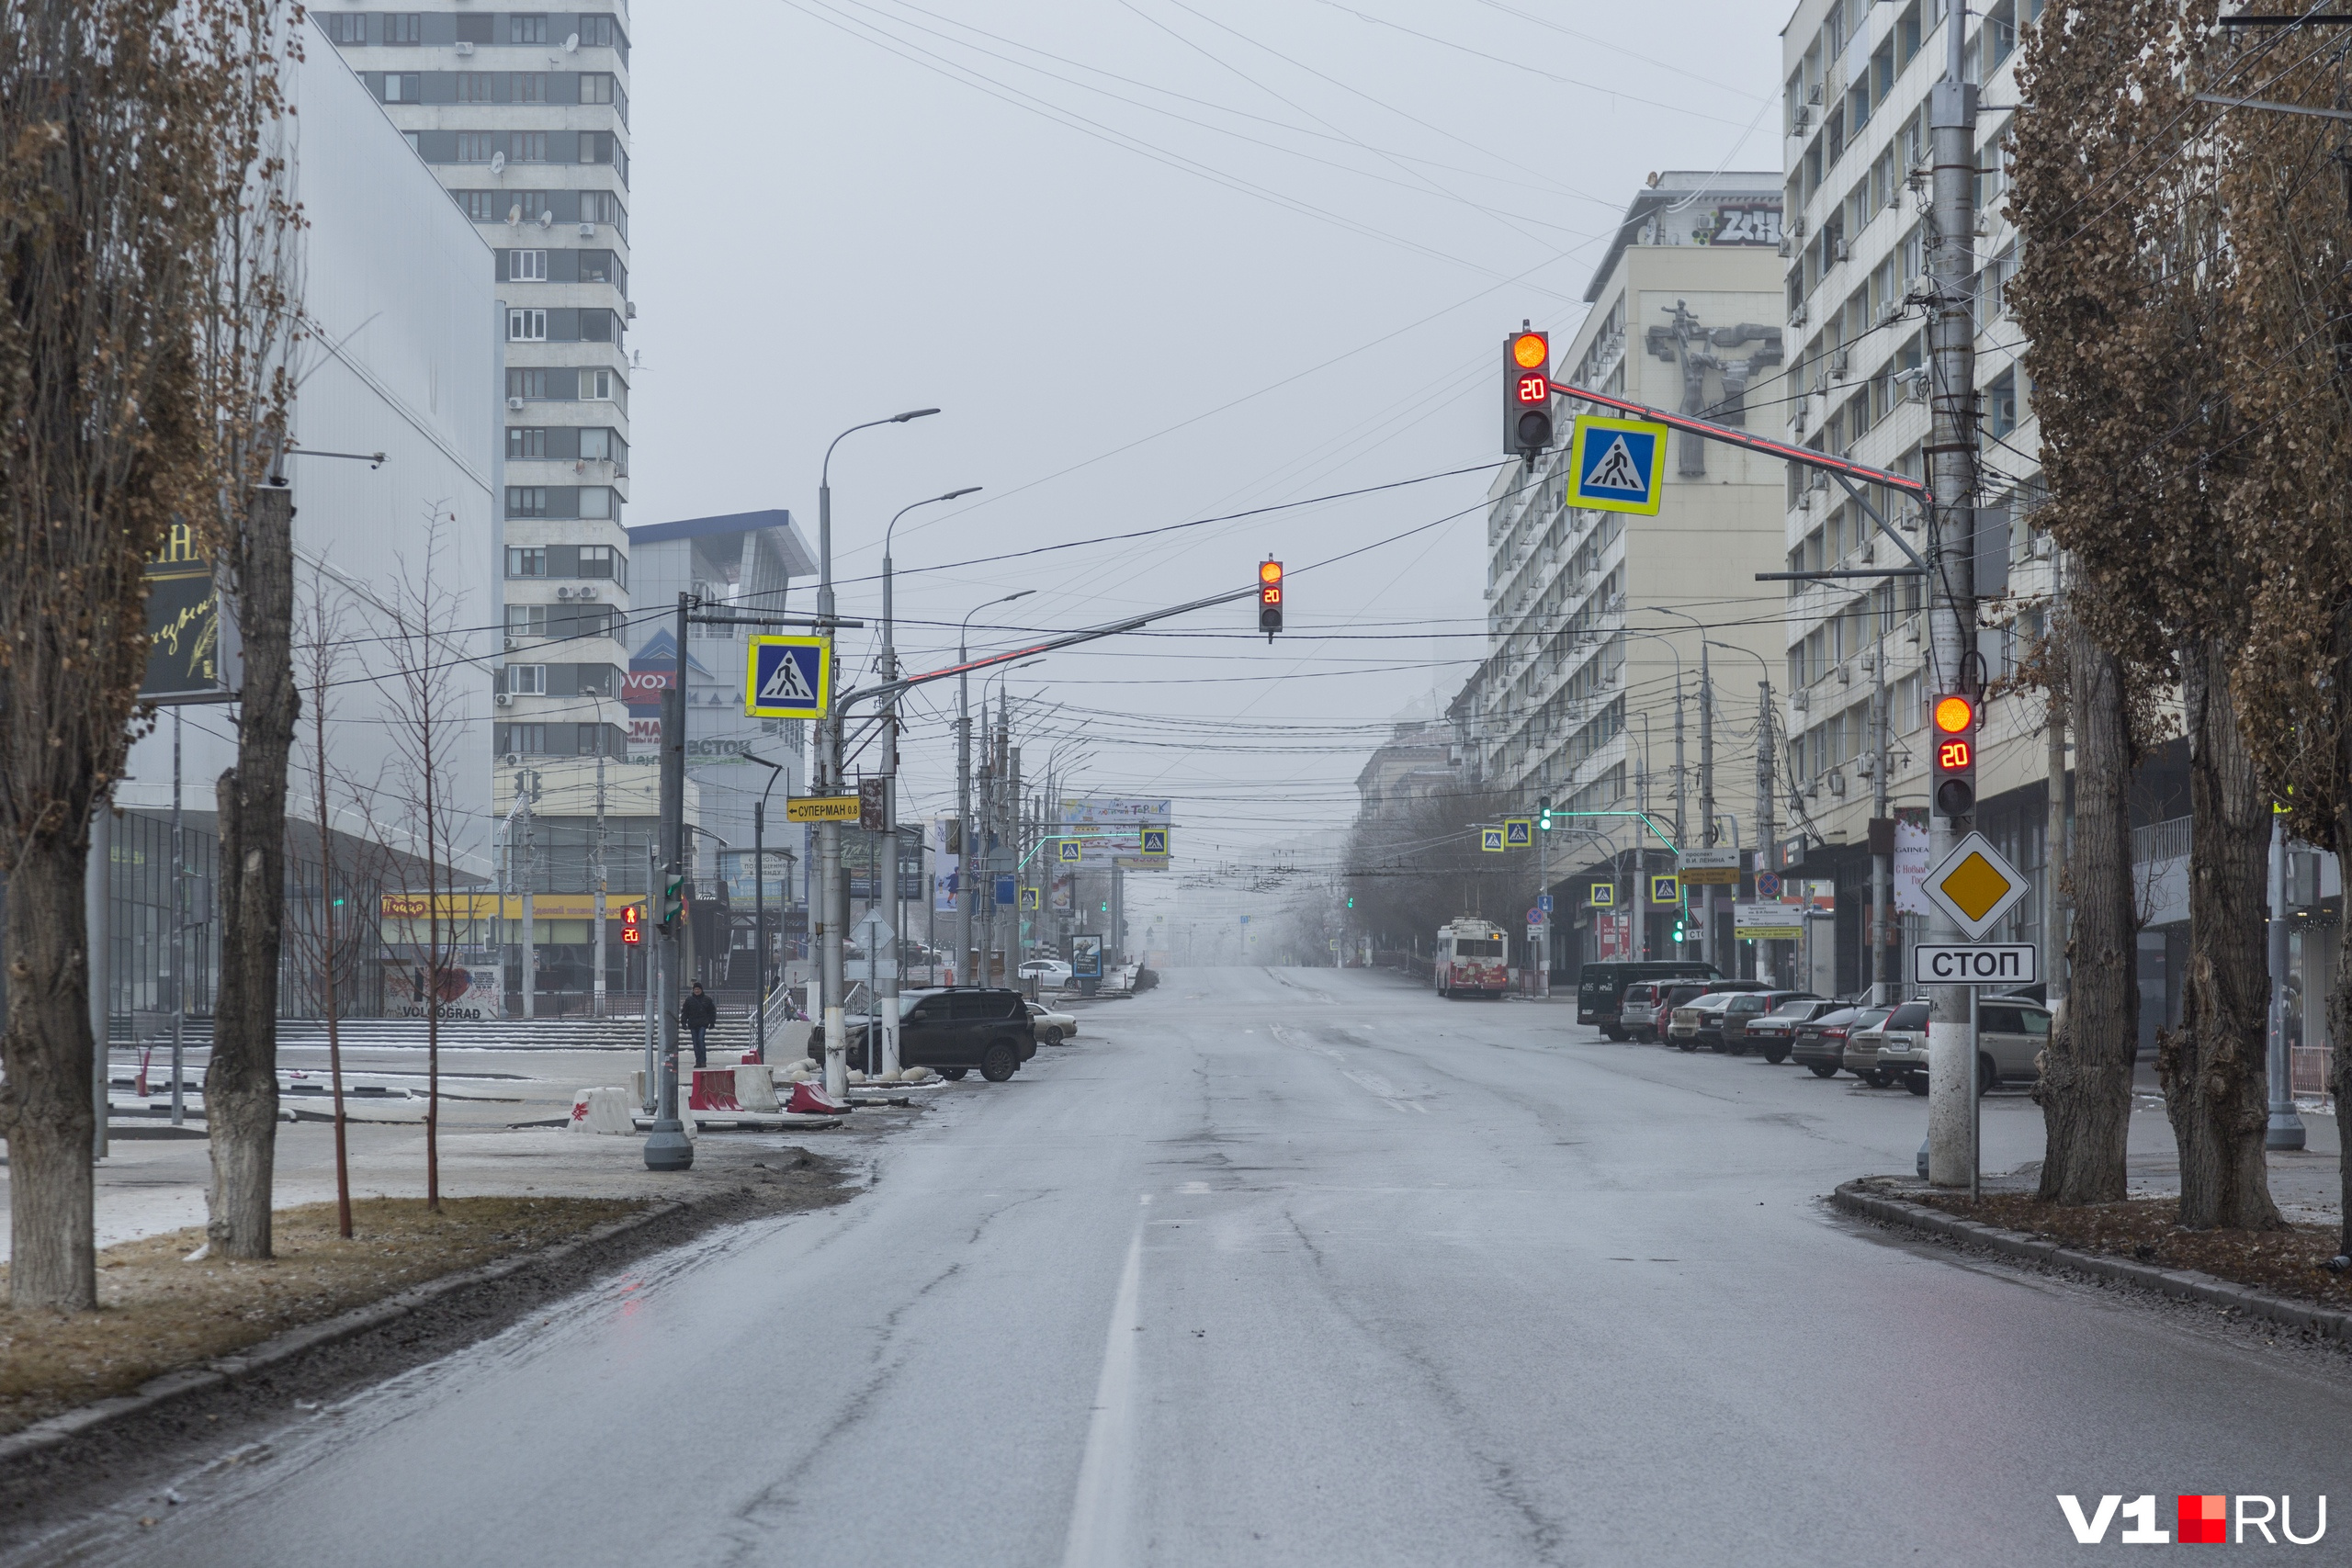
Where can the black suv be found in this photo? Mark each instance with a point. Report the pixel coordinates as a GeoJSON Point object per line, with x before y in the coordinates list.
{"type": "Point", "coordinates": [953, 1030]}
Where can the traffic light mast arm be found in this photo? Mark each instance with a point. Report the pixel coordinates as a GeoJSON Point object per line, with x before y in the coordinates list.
{"type": "Point", "coordinates": [1644, 816]}
{"type": "Point", "coordinates": [1067, 639]}
{"type": "Point", "coordinates": [1757, 444]}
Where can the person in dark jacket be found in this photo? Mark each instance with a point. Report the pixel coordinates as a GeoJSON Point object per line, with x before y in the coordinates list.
{"type": "Point", "coordinates": [697, 1014]}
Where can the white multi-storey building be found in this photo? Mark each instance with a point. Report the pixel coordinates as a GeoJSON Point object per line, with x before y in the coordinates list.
{"type": "Point", "coordinates": [1596, 620]}
{"type": "Point", "coordinates": [1857, 78]}
{"type": "Point", "coordinates": [524, 118]}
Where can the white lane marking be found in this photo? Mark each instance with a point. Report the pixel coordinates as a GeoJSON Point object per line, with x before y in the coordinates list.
{"type": "Point", "coordinates": [1098, 1518]}
{"type": "Point", "coordinates": [1397, 1100]}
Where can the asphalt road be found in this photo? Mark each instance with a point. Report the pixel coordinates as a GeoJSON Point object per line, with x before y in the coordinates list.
{"type": "Point", "coordinates": [1307, 1267]}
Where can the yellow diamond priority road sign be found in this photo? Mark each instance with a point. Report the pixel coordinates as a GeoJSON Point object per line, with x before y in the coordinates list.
{"type": "Point", "coordinates": [1975, 886]}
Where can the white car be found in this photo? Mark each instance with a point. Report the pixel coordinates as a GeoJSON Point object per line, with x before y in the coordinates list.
{"type": "Point", "coordinates": [1053, 1028]}
{"type": "Point", "coordinates": [1049, 969]}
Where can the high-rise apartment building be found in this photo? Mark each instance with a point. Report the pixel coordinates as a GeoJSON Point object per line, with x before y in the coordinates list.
{"type": "Point", "coordinates": [524, 116]}
{"type": "Point", "coordinates": [1596, 621]}
{"type": "Point", "coordinates": [1856, 76]}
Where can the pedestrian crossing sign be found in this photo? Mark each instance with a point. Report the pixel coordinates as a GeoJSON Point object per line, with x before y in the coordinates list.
{"type": "Point", "coordinates": [1067, 850]}
{"type": "Point", "coordinates": [1601, 894]}
{"type": "Point", "coordinates": [1154, 840]}
{"type": "Point", "coordinates": [1617, 465]}
{"type": "Point", "coordinates": [1029, 898]}
{"type": "Point", "coordinates": [1491, 840]}
{"type": "Point", "coordinates": [1518, 832]}
{"type": "Point", "coordinates": [788, 677]}
{"type": "Point", "coordinates": [1666, 889]}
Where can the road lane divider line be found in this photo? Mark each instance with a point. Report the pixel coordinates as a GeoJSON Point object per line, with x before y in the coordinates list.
{"type": "Point", "coordinates": [1099, 1514]}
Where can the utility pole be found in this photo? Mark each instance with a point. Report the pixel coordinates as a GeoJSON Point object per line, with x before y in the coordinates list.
{"type": "Point", "coordinates": [1012, 835]}
{"type": "Point", "coordinates": [2057, 908]}
{"type": "Point", "coordinates": [967, 861]}
{"type": "Point", "coordinates": [1951, 452]}
{"type": "Point", "coordinates": [652, 977]}
{"type": "Point", "coordinates": [1762, 957]}
{"type": "Point", "coordinates": [2286, 1127]}
{"type": "Point", "coordinates": [1542, 891]}
{"type": "Point", "coordinates": [596, 876]}
{"type": "Point", "coordinates": [667, 1148]}
{"type": "Point", "coordinates": [526, 791]}
{"type": "Point", "coordinates": [1682, 949]}
{"type": "Point", "coordinates": [179, 934]}
{"type": "Point", "coordinates": [1882, 969]}
{"type": "Point", "coordinates": [1707, 799]}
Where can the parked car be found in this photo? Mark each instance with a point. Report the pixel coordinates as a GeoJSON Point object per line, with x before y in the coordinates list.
{"type": "Point", "coordinates": [1047, 971]}
{"type": "Point", "coordinates": [953, 1030]}
{"type": "Point", "coordinates": [1687, 992]}
{"type": "Point", "coordinates": [1900, 1046]}
{"type": "Point", "coordinates": [1820, 1044]}
{"type": "Point", "coordinates": [1862, 1038]}
{"type": "Point", "coordinates": [1601, 988]}
{"type": "Point", "coordinates": [1771, 1035]}
{"type": "Point", "coordinates": [1053, 1028]}
{"type": "Point", "coordinates": [1731, 1029]}
{"type": "Point", "coordinates": [1699, 1021]}
{"type": "Point", "coordinates": [2011, 1034]}
{"type": "Point", "coordinates": [1637, 1012]}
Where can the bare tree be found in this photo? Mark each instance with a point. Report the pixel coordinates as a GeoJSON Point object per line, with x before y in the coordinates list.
{"type": "Point", "coordinates": [427, 718]}
{"type": "Point", "coordinates": [2123, 292]}
{"type": "Point", "coordinates": [121, 161]}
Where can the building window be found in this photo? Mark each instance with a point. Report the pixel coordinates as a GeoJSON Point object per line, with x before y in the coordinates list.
{"type": "Point", "coordinates": [527, 501]}
{"type": "Point", "coordinates": [530, 86]}
{"type": "Point", "coordinates": [598, 32]}
{"type": "Point", "coordinates": [472, 87]}
{"type": "Point", "coordinates": [526, 443]}
{"type": "Point", "coordinates": [597, 267]}
{"type": "Point", "coordinates": [526, 147]}
{"type": "Point", "coordinates": [603, 560]}
{"type": "Point", "coordinates": [483, 206]}
{"type": "Point", "coordinates": [603, 207]}
{"type": "Point", "coordinates": [526, 266]}
{"type": "Point", "coordinates": [595, 501]}
{"type": "Point", "coordinates": [404, 28]}
{"type": "Point", "coordinates": [345, 29]}
{"type": "Point", "coordinates": [596, 386]}
{"type": "Point", "coordinates": [2001, 404]}
{"type": "Point", "coordinates": [527, 679]}
{"type": "Point", "coordinates": [597, 446]}
{"type": "Point", "coordinates": [525, 620]}
{"type": "Point", "coordinates": [529, 561]}
{"type": "Point", "coordinates": [591, 740]}
{"type": "Point", "coordinates": [527, 30]}
{"type": "Point", "coordinates": [402, 86]}
{"type": "Point", "coordinates": [531, 385]}
{"type": "Point", "coordinates": [476, 146]}
{"type": "Point", "coordinates": [527, 326]}
{"type": "Point", "coordinates": [595, 88]}
{"type": "Point", "coordinates": [530, 739]}
{"type": "Point", "coordinates": [415, 144]}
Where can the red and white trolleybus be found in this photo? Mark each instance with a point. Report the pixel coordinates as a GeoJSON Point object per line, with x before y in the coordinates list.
{"type": "Point", "coordinates": [1472, 959]}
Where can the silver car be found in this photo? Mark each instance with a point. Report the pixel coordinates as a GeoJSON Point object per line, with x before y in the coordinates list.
{"type": "Point", "coordinates": [1896, 1047]}
{"type": "Point", "coordinates": [2011, 1033]}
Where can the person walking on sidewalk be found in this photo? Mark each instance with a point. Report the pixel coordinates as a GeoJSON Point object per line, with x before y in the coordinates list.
{"type": "Point", "coordinates": [697, 1013]}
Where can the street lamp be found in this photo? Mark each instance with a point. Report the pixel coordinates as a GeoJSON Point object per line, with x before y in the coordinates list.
{"type": "Point", "coordinates": [964, 781]}
{"type": "Point", "coordinates": [760, 908]}
{"type": "Point", "coordinates": [835, 890]}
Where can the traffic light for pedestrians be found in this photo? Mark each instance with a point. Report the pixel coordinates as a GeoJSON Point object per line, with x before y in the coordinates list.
{"type": "Point", "coordinates": [1954, 718]}
{"type": "Point", "coordinates": [1527, 392]}
{"type": "Point", "coordinates": [1270, 597]}
{"type": "Point", "coordinates": [632, 933]}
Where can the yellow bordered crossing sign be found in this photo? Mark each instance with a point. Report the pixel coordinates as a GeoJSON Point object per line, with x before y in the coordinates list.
{"type": "Point", "coordinates": [1617, 465]}
{"type": "Point", "coordinates": [1601, 894]}
{"type": "Point", "coordinates": [1069, 851]}
{"type": "Point", "coordinates": [1154, 840]}
{"type": "Point", "coordinates": [1491, 840]}
{"type": "Point", "coordinates": [788, 677]}
{"type": "Point", "coordinates": [1030, 897]}
{"type": "Point", "coordinates": [1518, 832]}
{"type": "Point", "coordinates": [1666, 889]}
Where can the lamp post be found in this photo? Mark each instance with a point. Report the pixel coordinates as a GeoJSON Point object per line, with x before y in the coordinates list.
{"type": "Point", "coordinates": [760, 909]}
{"type": "Point", "coordinates": [964, 785]}
{"type": "Point", "coordinates": [832, 917]}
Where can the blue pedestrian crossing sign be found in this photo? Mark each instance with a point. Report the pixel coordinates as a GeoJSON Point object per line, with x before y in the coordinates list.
{"type": "Point", "coordinates": [1031, 897]}
{"type": "Point", "coordinates": [1518, 832]}
{"type": "Point", "coordinates": [1069, 851]}
{"type": "Point", "coordinates": [1617, 465]}
{"type": "Point", "coordinates": [788, 677]}
{"type": "Point", "coordinates": [1154, 840]}
{"type": "Point", "coordinates": [1491, 840]}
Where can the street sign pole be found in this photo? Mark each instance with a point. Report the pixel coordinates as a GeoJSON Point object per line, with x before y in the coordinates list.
{"type": "Point", "coordinates": [1543, 902]}
{"type": "Point", "coordinates": [667, 1148]}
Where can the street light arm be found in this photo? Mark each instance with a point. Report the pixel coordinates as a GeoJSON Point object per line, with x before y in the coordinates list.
{"type": "Point", "coordinates": [824, 472]}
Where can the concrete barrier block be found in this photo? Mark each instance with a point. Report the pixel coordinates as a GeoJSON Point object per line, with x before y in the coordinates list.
{"type": "Point", "coordinates": [606, 1109]}
{"type": "Point", "coordinates": [755, 1088]}
{"type": "Point", "coordinates": [713, 1089]}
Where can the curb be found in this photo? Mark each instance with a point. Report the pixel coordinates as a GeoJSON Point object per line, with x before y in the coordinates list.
{"type": "Point", "coordinates": [279, 1349]}
{"type": "Point", "coordinates": [2182, 1284]}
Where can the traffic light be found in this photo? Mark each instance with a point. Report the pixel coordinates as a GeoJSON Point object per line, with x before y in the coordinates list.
{"type": "Point", "coordinates": [1544, 814]}
{"type": "Point", "coordinates": [1270, 597]}
{"type": "Point", "coordinates": [1954, 717]}
{"type": "Point", "coordinates": [1527, 392]}
{"type": "Point", "coordinates": [1351, 900]}
{"type": "Point", "coordinates": [632, 933]}
{"type": "Point", "coordinates": [673, 901]}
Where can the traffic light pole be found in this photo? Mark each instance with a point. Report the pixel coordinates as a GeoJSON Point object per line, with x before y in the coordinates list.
{"type": "Point", "coordinates": [667, 1148]}
{"type": "Point", "coordinates": [1951, 457]}
{"type": "Point", "coordinates": [1707, 800]}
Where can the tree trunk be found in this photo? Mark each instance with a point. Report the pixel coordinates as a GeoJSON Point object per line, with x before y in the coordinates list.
{"type": "Point", "coordinates": [2086, 1088]}
{"type": "Point", "coordinates": [241, 1084]}
{"type": "Point", "coordinates": [2212, 1068]}
{"type": "Point", "coordinates": [45, 1101]}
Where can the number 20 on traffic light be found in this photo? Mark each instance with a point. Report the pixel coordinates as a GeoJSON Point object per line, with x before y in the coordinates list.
{"type": "Point", "coordinates": [1270, 597]}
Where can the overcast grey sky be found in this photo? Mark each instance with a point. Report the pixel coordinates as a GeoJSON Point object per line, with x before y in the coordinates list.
{"type": "Point", "coordinates": [1157, 260]}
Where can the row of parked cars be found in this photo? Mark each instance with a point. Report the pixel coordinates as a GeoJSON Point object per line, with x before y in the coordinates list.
{"type": "Point", "coordinates": [1883, 1045]}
